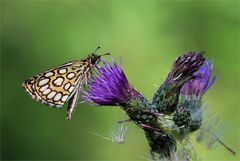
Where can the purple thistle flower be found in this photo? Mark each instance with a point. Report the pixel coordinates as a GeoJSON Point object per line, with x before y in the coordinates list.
{"type": "Point", "coordinates": [111, 87]}
{"type": "Point", "coordinates": [184, 67]}
{"type": "Point", "coordinates": [199, 85]}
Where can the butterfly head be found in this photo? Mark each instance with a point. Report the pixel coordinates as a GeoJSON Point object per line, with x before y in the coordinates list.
{"type": "Point", "coordinates": [94, 58]}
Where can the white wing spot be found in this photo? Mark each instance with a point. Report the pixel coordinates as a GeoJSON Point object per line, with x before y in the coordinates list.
{"type": "Point", "coordinates": [70, 75]}
{"type": "Point", "coordinates": [43, 82]}
{"type": "Point", "coordinates": [64, 98]}
{"type": "Point", "coordinates": [62, 71]}
{"type": "Point", "coordinates": [51, 95]}
{"type": "Point", "coordinates": [58, 81]}
{"type": "Point", "coordinates": [49, 74]}
{"type": "Point", "coordinates": [71, 89]}
{"type": "Point", "coordinates": [43, 88]}
{"type": "Point", "coordinates": [57, 97]}
{"type": "Point", "coordinates": [67, 86]}
{"type": "Point", "coordinates": [46, 91]}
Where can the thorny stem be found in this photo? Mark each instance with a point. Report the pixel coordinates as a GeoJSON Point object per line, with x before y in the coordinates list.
{"type": "Point", "coordinates": [162, 145]}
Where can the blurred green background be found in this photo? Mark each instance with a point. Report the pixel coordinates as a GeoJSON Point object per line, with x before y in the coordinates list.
{"type": "Point", "coordinates": [148, 35]}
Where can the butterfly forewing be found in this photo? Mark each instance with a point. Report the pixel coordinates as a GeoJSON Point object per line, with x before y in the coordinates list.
{"type": "Point", "coordinates": [56, 86]}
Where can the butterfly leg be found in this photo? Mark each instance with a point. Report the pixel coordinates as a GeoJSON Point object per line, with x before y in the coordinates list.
{"type": "Point", "coordinates": [72, 104]}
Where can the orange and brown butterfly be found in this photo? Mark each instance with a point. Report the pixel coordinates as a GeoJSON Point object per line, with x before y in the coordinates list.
{"type": "Point", "coordinates": [62, 84]}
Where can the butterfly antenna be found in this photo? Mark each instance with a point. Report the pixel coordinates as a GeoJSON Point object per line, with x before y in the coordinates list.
{"type": "Point", "coordinates": [96, 49]}
{"type": "Point", "coordinates": [106, 54]}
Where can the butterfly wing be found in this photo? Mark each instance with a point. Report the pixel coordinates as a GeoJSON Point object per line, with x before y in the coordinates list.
{"type": "Point", "coordinates": [55, 86]}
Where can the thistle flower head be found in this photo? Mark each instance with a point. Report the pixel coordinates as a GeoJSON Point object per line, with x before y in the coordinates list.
{"type": "Point", "coordinates": [199, 85]}
{"type": "Point", "coordinates": [110, 87]}
{"type": "Point", "coordinates": [184, 67]}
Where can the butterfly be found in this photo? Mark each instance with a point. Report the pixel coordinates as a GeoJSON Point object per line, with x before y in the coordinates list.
{"type": "Point", "coordinates": [62, 84]}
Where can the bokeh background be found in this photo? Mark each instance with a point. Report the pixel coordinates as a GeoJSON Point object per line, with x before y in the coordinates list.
{"type": "Point", "coordinates": [147, 35]}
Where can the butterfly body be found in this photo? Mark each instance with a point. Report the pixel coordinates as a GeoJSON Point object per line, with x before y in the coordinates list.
{"type": "Point", "coordinates": [61, 84]}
